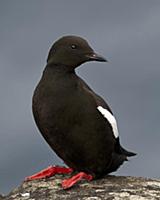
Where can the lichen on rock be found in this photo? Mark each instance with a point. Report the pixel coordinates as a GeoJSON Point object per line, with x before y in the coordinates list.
{"type": "Point", "coordinates": [109, 188]}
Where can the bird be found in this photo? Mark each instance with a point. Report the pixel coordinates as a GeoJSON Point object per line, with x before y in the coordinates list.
{"type": "Point", "coordinates": [76, 122]}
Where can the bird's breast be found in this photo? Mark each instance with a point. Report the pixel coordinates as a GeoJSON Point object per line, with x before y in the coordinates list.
{"type": "Point", "coordinates": [55, 103]}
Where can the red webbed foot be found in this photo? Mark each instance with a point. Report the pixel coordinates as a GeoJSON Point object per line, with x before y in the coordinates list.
{"type": "Point", "coordinates": [49, 171]}
{"type": "Point", "coordinates": [68, 183]}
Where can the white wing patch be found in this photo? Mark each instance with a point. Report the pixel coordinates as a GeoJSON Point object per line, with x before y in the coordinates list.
{"type": "Point", "coordinates": [111, 119]}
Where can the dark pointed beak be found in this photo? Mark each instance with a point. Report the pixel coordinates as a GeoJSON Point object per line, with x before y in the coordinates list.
{"type": "Point", "coordinates": [96, 57]}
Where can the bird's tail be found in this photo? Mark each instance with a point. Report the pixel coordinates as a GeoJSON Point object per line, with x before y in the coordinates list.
{"type": "Point", "coordinates": [126, 153]}
{"type": "Point", "coordinates": [118, 158]}
{"type": "Point", "coordinates": [120, 150]}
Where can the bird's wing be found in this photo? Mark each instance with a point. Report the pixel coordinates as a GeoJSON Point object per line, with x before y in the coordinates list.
{"type": "Point", "coordinates": [106, 112]}
{"type": "Point", "coordinates": [102, 107]}
{"type": "Point", "coordinates": [99, 100]}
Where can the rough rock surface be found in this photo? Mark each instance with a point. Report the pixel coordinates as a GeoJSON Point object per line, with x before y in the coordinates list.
{"type": "Point", "coordinates": [110, 188]}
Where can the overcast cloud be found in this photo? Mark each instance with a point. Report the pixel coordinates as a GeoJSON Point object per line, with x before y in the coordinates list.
{"type": "Point", "coordinates": [126, 32]}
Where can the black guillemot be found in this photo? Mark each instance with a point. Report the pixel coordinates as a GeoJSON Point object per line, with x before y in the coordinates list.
{"type": "Point", "coordinates": [76, 122]}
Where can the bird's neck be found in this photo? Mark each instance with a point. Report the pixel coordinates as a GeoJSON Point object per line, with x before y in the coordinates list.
{"type": "Point", "coordinates": [58, 72]}
{"type": "Point", "coordinates": [59, 69]}
{"type": "Point", "coordinates": [59, 75]}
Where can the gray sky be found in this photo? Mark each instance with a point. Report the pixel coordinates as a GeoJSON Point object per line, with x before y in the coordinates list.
{"type": "Point", "coordinates": [126, 32]}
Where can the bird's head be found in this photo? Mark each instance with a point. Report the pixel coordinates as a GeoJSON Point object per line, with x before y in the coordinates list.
{"type": "Point", "coordinates": [72, 51]}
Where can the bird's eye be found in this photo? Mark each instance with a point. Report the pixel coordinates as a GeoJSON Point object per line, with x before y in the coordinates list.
{"type": "Point", "coordinates": [73, 46]}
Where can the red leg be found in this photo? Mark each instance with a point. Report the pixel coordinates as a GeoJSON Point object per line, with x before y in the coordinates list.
{"type": "Point", "coordinates": [68, 183]}
{"type": "Point", "coordinates": [50, 171]}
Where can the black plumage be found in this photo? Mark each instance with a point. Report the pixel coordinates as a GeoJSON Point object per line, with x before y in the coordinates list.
{"type": "Point", "coordinates": [65, 111]}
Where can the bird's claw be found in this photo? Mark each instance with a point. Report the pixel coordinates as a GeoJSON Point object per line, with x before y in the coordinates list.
{"type": "Point", "coordinates": [49, 171]}
{"type": "Point", "coordinates": [68, 183]}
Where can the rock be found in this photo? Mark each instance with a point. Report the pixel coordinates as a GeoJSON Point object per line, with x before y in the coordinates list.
{"type": "Point", "coordinates": [1, 197]}
{"type": "Point", "coordinates": [109, 188]}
